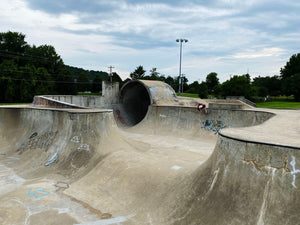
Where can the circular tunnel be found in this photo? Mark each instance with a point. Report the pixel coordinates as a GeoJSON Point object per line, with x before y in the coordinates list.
{"type": "Point", "coordinates": [136, 96]}
{"type": "Point", "coordinates": [134, 102]}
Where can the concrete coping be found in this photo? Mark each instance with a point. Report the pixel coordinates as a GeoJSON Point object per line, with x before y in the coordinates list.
{"type": "Point", "coordinates": [257, 142]}
{"type": "Point", "coordinates": [70, 110]}
{"type": "Point", "coordinates": [61, 102]}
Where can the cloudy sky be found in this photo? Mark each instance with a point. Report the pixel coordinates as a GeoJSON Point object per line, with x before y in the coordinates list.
{"type": "Point", "coordinates": [224, 36]}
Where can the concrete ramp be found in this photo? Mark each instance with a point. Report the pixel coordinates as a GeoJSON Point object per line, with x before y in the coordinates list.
{"type": "Point", "coordinates": [68, 142]}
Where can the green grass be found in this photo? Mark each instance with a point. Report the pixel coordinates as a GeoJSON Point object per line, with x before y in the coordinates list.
{"type": "Point", "coordinates": [279, 105]}
{"type": "Point", "coordinates": [190, 95]}
{"type": "Point", "coordinates": [90, 94]}
{"type": "Point", "coordinates": [15, 103]}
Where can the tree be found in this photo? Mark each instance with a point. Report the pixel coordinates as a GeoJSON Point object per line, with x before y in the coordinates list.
{"type": "Point", "coordinates": [139, 73]}
{"type": "Point", "coordinates": [291, 86]}
{"type": "Point", "coordinates": [116, 78]}
{"type": "Point", "coordinates": [292, 67]}
{"type": "Point", "coordinates": [45, 56]}
{"type": "Point", "coordinates": [237, 86]}
{"type": "Point", "coordinates": [212, 81]}
{"type": "Point", "coordinates": [27, 82]}
{"type": "Point", "coordinates": [170, 81]}
{"type": "Point", "coordinates": [97, 84]}
{"type": "Point", "coordinates": [290, 77]}
{"type": "Point", "coordinates": [194, 87]}
{"type": "Point", "coordinates": [44, 84]}
{"type": "Point", "coordinates": [8, 72]}
{"type": "Point", "coordinates": [83, 83]}
{"type": "Point", "coordinates": [184, 84]}
{"type": "Point", "coordinates": [154, 75]}
{"type": "Point", "coordinates": [267, 86]}
{"type": "Point", "coordinates": [12, 45]}
{"type": "Point", "coordinates": [64, 83]}
{"type": "Point", "coordinates": [203, 90]}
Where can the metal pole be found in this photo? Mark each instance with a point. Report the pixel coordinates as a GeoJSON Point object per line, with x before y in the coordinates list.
{"type": "Point", "coordinates": [182, 82]}
{"type": "Point", "coordinates": [180, 59]}
{"type": "Point", "coordinates": [180, 67]}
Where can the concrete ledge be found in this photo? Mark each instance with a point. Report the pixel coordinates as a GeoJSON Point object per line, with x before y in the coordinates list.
{"type": "Point", "coordinates": [225, 106]}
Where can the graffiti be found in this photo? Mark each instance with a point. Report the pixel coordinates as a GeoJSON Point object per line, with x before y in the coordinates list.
{"type": "Point", "coordinates": [12, 157]}
{"type": "Point", "coordinates": [161, 92]}
{"type": "Point", "coordinates": [38, 193]}
{"type": "Point", "coordinates": [75, 139]}
{"type": "Point", "coordinates": [42, 141]}
{"type": "Point", "coordinates": [11, 160]}
{"type": "Point", "coordinates": [52, 159]}
{"type": "Point", "coordinates": [84, 147]}
{"type": "Point", "coordinates": [33, 135]}
{"type": "Point", "coordinates": [214, 125]}
{"type": "Point", "coordinates": [47, 102]}
{"type": "Point", "coordinates": [119, 116]}
{"type": "Point", "coordinates": [294, 171]}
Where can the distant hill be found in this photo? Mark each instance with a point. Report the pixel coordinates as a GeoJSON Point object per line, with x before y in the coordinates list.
{"type": "Point", "coordinates": [90, 73]}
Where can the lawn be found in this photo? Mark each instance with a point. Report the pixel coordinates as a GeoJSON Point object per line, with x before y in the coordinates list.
{"type": "Point", "coordinates": [14, 103]}
{"type": "Point", "coordinates": [190, 95]}
{"type": "Point", "coordinates": [89, 94]}
{"type": "Point", "coordinates": [279, 105]}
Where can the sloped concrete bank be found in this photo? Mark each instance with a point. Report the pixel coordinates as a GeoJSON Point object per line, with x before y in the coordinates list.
{"type": "Point", "coordinates": [188, 121]}
{"type": "Point", "coordinates": [68, 142]}
{"type": "Point", "coordinates": [241, 183]}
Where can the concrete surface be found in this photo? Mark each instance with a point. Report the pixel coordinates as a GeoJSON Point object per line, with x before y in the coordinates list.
{"type": "Point", "coordinates": [152, 158]}
{"type": "Point", "coordinates": [75, 166]}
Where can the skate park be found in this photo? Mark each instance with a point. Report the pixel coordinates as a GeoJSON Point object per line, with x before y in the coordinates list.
{"type": "Point", "coordinates": [142, 155]}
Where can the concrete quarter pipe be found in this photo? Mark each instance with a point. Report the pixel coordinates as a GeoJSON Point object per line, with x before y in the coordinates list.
{"type": "Point", "coordinates": [151, 158]}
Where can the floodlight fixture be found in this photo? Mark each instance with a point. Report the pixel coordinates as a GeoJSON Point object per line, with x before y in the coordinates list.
{"type": "Point", "coordinates": [181, 40]}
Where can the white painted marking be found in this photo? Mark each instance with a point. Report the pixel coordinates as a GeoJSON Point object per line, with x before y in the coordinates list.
{"type": "Point", "coordinates": [216, 172]}
{"type": "Point", "coordinates": [294, 171]}
{"type": "Point", "coordinates": [106, 222]}
{"type": "Point", "coordinates": [176, 167]}
{"type": "Point", "coordinates": [63, 210]}
{"type": "Point", "coordinates": [263, 208]}
{"type": "Point", "coordinates": [162, 116]}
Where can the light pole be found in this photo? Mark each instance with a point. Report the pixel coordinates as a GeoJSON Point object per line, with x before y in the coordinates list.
{"type": "Point", "coordinates": [181, 41]}
{"type": "Point", "coordinates": [182, 82]}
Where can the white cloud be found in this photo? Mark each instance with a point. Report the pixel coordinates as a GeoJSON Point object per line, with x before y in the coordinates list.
{"type": "Point", "coordinates": [227, 36]}
{"type": "Point", "coordinates": [265, 52]}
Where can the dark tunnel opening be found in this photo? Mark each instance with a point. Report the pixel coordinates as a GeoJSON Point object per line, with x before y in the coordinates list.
{"type": "Point", "coordinates": [134, 100]}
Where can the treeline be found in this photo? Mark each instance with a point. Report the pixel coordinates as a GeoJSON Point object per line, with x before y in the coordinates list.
{"type": "Point", "coordinates": [260, 88]}
{"type": "Point", "coordinates": [27, 70]}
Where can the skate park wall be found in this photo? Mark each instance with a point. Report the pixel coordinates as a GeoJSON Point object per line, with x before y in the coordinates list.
{"type": "Point", "coordinates": [188, 120]}
{"type": "Point", "coordinates": [110, 91]}
{"type": "Point", "coordinates": [241, 183]}
{"type": "Point", "coordinates": [57, 140]}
